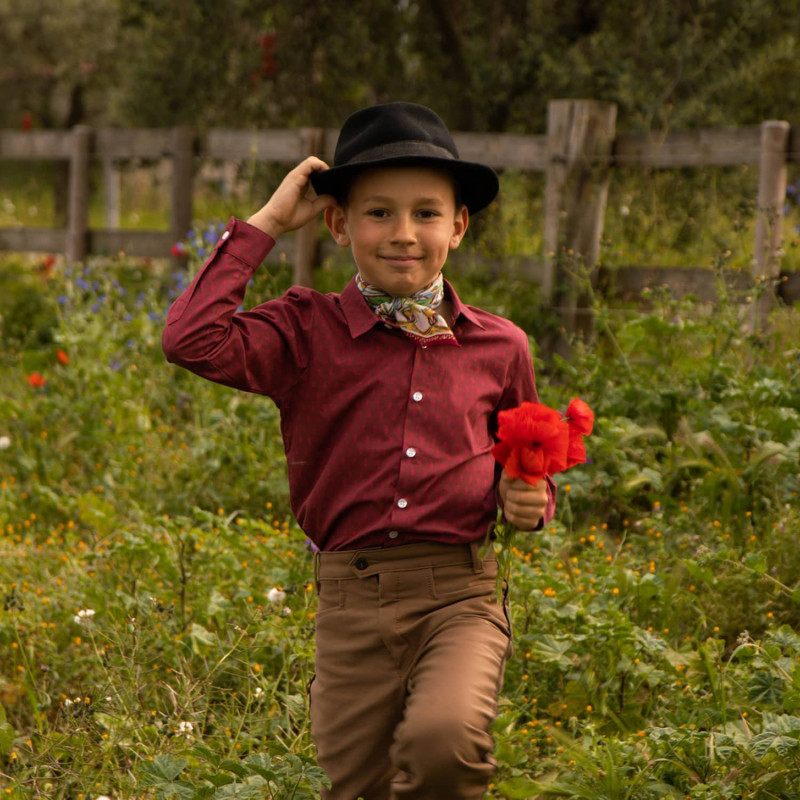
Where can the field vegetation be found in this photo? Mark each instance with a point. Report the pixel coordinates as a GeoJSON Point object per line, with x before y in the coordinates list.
{"type": "Point", "coordinates": [158, 610]}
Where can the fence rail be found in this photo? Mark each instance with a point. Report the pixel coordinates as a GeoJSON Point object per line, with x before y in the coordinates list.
{"type": "Point", "coordinates": [576, 155]}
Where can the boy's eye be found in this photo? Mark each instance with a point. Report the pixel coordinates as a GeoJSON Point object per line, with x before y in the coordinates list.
{"type": "Point", "coordinates": [379, 213]}
{"type": "Point", "coordinates": [428, 214]}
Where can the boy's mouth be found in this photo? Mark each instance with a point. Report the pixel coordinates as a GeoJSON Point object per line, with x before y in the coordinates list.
{"type": "Point", "coordinates": [401, 259]}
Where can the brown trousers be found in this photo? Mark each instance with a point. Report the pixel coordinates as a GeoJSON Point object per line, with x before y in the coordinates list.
{"type": "Point", "coordinates": [411, 647]}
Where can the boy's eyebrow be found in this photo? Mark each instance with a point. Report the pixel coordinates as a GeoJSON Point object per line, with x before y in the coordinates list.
{"type": "Point", "coordinates": [386, 199]}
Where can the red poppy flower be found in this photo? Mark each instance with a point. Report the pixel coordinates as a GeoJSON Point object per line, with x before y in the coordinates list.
{"type": "Point", "coordinates": [576, 452]}
{"type": "Point", "coordinates": [36, 380]}
{"type": "Point", "coordinates": [580, 416]}
{"type": "Point", "coordinates": [534, 440]}
{"type": "Point", "coordinates": [62, 357]}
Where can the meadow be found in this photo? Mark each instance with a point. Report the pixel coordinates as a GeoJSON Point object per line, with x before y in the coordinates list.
{"type": "Point", "coordinates": [158, 609]}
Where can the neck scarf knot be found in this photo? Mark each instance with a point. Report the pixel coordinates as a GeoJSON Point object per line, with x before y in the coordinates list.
{"type": "Point", "coordinates": [417, 316]}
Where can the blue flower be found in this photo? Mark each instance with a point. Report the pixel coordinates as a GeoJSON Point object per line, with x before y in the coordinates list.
{"type": "Point", "coordinates": [201, 251]}
{"type": "Point", "coordinates": [211, 236]}
{"type": "Point", "coordinates": [62, 299]}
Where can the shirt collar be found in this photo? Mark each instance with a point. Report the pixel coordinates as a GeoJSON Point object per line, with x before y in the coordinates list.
{"type": "Point", "coordinates": [361, 318]}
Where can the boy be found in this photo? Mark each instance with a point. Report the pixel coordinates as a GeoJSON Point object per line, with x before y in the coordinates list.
{"type": "Point", "coordinates": [388, 394]}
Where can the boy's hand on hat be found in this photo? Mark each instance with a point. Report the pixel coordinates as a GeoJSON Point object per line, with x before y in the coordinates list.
{"type": "Point", "coordinates": [523, 505]}
{"type": "Point", "coordinates": [294, 202]}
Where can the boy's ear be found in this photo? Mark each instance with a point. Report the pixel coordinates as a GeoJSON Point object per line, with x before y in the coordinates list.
{"type": "Point", "coordinates": [336, 221]}
{"type": "Point", "coordinates": [460, 225]}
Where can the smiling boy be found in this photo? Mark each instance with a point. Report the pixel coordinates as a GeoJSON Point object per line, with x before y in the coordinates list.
{"type": "Point", "coordinates": [389, 394]}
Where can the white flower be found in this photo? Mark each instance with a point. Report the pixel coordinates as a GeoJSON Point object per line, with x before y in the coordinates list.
{"type": "Point", "coordinates": [259, 692]}
{"type": "Point", "coordinates": [276, 595]}
{"type": "Point", "coordinates": [624, 210]}
{"type": "Point", "coordinates": [67, 702]}
{"type": "Point", "coordinates": [102, 797]}
{"type": "Point", "coordinates": [84, 615]}
{"type": "Point", "coordinates": [5, 442]}
{"type": "Point", "coordinates": [287, 612]}
{"type": "Point", "coordinates": [185, 728]}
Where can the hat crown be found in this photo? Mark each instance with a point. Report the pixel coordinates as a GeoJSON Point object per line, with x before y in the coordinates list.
{"type": "Point", "coordinates": [393, 126]}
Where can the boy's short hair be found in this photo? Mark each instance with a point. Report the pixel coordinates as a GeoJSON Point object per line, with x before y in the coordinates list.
{"type": "Point", "coordinates": [403, 134]}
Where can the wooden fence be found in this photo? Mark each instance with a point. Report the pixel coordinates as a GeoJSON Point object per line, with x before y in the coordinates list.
{"type": "Point", "coordinates": [576, 154]}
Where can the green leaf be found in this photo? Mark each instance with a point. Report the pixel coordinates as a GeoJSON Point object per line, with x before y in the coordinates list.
{"type": "Point", "coordinates": [162, 768]}
{"type": "Point", "coordinates": [757, 562]}
{"type": "Point", "coordinates": [218, 603]}
{"type": "Point", "coordinates": [7, 734]}
{"type": "Point", "coordinates": [201, 638]}
{"type": "Point", "coordinates": [549, 649]}
{"type": "Point", "coordinates": [261, 764]}
{"type": "Point", "coordinates": [252, 788]}
{"type": "Point", "coordinates": [770, 742]}
{"type": "Point", "coordinates": [517, 788]}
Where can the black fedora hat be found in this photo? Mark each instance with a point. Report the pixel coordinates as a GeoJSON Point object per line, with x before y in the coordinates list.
{"type": "Point", "coordinates": [398, 134]}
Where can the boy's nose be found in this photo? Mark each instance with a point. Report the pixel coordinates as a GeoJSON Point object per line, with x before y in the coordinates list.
{"type": "Point", "coordinates": [403, 230]}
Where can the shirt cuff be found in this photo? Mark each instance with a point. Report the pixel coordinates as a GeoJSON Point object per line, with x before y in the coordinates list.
{"type": "Point", "coordinates": [245, 242]}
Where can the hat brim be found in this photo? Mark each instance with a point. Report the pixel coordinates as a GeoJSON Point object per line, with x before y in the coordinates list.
{"type": "Point", "coordinates": [478, 184]}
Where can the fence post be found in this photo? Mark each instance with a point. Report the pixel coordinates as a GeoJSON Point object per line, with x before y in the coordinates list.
{"type": "Point", "coordinates": [182, 152]}
{"type": "Point", "coordinates": [305, 240]}
{"type": "Point", "coordinates": [769, 220]}
{"type": "Point", "coordinates": [580, 138]}
{"type": "Point", "coordinates": [78, 210]}
{"type": "Point", "coordinates": [112, 175]}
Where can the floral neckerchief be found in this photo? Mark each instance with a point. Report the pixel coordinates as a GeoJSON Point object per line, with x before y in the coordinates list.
{"type": "Point", "coordinates": [417, 316]}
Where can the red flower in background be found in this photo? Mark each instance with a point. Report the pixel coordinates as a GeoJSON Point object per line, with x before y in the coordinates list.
{"type": "Point", "coordinates": [62, 357]}
{"type": "Point", "coordinates": [536, 440]}
{"type": "Point", "coordinates": [580, 419]}
{"type": "Point", "coordinates": [36, 380]}
{"type": "Point", "coordinates": [580, 416]}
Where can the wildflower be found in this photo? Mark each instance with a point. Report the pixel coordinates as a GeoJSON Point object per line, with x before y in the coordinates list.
{"type": "Point", "coordinates": [62, 357]}
{"type": "Point", "coordinates": [185, 728]}
{"type": "Point", "coordinates": [5, 442]}
{"type": "Point", "coordinates": [259, 693]}
{"type": "Point", "coordinates": [83, 616]}
{"type": "Point", "coordinates": [276, 595]}
{"type": "Point", "coordinates": [533, 442]}
{"type": "Point", "coordinates": [177, 249]}
{"type": "Point", "coordinates": [36, 380]}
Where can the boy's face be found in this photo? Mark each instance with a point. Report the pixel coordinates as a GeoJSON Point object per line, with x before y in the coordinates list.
{"type": "Point", "coordinates": [401, 223]}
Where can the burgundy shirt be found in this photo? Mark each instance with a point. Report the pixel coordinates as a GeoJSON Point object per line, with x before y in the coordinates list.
{"type": "Point", "coordinates": [387, 443]}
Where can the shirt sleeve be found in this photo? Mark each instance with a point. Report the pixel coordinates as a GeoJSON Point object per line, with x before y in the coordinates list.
{"type": "Point", "coordinates": [521, 388]}
{"type": "Point", "coordinates": [262, 350]}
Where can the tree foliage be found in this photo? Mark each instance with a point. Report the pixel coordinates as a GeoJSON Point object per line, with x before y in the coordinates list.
{"type": "Point", "coordinates": [484, 66]}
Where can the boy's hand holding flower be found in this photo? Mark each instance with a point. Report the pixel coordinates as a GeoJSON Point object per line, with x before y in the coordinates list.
{"type": "Point", "coordinates": [294, 202]}
{"type": "Point", "coordinates": [523, 505]}
{"type": "Point", "coordinates": [536, 441]}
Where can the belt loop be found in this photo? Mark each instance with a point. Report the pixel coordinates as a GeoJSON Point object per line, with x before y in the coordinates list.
{"type": "Point", "coordinates": [316, 571]}
{"type": "Point", "coordinates": [477, 563]}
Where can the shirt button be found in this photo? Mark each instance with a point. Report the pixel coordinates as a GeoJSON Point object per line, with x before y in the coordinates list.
{"type": "Point", "coordinates": [402, 502]}
{"type": "Point", "coordinates": [362, 563]}
{"type": "Point", "coordinates": [416, 397]}
{"type": "Point", "coordinates": [225, 235]}
{"type": "Point", "coordinates": [411, 452]}
{"type": "Point", "coordinates": [424, 347]}
{"type": "Point", "coordinates": [393, 534]}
